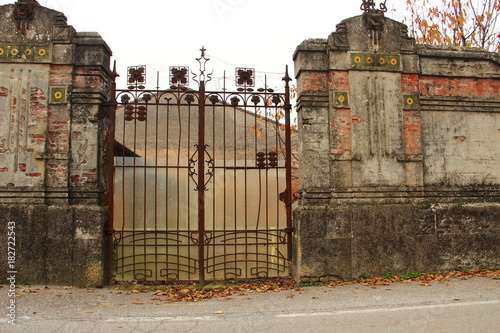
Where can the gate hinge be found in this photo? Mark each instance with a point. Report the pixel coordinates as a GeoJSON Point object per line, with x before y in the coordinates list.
{"type": "Point", "coordinates": [106, 109]}
{"type": "Point", "coordinates": [109, 232]}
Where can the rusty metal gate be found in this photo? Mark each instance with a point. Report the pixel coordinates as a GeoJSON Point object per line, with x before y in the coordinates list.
{"type": "Point", "coordinates": [202, 179]}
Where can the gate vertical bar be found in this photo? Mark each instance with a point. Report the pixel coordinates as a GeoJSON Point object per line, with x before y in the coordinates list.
{"type": "Point", "coordinates": [201, 173]}
{"type": "Point", "coordinates": [288, 164]}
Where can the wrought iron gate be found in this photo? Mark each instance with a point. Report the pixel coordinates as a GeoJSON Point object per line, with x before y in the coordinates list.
{"type": "Point", "coordinates": [202, 179]}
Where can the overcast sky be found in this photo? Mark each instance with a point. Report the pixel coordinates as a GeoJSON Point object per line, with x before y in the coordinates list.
{"type": "Point", "coordinates": [260, 34]}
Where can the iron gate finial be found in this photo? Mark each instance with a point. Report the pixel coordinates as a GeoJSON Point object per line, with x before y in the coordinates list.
{"type": "Point", "coordinates": [368, 6]}
{"type": "Point", "coordinates": [374, 18]}
{"type": "Point", "coordinates": [202, 60]}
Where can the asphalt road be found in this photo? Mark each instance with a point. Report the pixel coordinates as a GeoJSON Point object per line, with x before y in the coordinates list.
{"type": "Point", "coordinates": [456, 306]}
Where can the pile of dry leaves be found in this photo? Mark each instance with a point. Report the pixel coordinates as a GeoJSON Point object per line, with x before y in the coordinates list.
{"type": "Point", "coordinates": [224, 291]}
{"type": "Point", "coordinates": [196, 293]}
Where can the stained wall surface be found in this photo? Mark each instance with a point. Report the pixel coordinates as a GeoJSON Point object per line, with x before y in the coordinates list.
{"type": "Point", "coordinates": [399, 150]}
{"type": "Point", "coordinates": [54, 85]}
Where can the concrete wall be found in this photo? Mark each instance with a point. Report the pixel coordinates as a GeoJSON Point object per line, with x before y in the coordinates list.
{"type": "Point", "coordinates": [399, 150]}
{"type": "Point", "coordinates": [54, 82]}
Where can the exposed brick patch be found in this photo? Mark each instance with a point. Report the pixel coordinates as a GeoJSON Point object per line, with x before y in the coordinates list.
{"type": "Point", "coordinates": [38, 107]}
{"type": "Point", "coordinates": [339, 81]}
{"type": "Point", "coordinates": [4, 92]}
{"type": "Point", "coordinates": [459, 138]}
{"type": "Point", "coordinates": [409, 83]}
{"type": "Point", "coordinates": [77, 135]}
{"type": "Point", "coordinates": [89, 177]}
{"type": "Point", "coordinates": [4, 169]}
{"type": "Point", "coordinates": [57, 174]}
{"type": "Point", "coordinates": [37, 95]}
{"type": "Point", "coordinates": [61, 75]}
{"type": "Point", "coordinates": [459, 86]}
{"type": "Point", "coordinates": [342, 131]}
{"type": "Point", "coordinates": [37, 138]}
{"type": "Point", "coordinates": [314, 81]}
{"type": "Point", "coordinates": [34, 174]}
{"type": "Point", "coordinates": [22, 167]}
{"type": "Point", "coordinates": [412, 133]}
{"type": "Point", "coordinates": [58, 134]}
{"type": "Point", "coordinates": [3, 149]}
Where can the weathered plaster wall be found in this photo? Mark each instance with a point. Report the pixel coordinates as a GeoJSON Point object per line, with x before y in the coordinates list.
{"type": "Point", "coordinates": [399, 150]}
{"type": "Point", "coordinates": [54, 83]}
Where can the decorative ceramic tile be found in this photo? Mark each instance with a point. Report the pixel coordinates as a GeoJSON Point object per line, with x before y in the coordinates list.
{"type": "Point", "coordinates": [58, 95]}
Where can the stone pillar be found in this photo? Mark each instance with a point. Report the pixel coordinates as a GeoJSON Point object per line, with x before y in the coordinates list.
{"type": "Point", "coordinates": [54, 82]}
{"type": "Point", "coordinates": [366, 206]}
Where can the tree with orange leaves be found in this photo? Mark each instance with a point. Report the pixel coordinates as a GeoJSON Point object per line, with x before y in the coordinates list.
{"type": "Point", "coordinates": [470, 23]}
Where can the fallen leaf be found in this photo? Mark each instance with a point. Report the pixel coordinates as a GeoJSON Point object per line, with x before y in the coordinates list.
{"type": "Point", "coordinates": [218, 312]}
{"type": "Point", "coordinates": [137, 303]}
{"type": "Point", "coordinates": [28, 291]}
{"type": "Point", "coordinates": [102, 304]}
